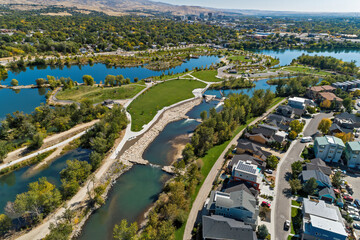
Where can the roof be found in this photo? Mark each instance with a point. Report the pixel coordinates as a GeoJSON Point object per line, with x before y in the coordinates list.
{"type": "Point", "coordinates": [298, 111]}
{"type": "Point", "coordinates": [318, 164]}
{"type": "Point", "coordinates": [334, 127]}
{"type": "Point", "coordinates": [250, 146]}
{"type": "Point", "coordinates": [263, 131]}
{"type": "Point", "coordinates": [322, 88]}
{"type": "Point", "coordinates": [321, 209]}
{"type": "Point", "coordinates": [268, 127]}
{"type": "Point", "coordinates": [279, 118]}
{"type": "Point", "coordinates": [328, 225]}
{"type": "Point", "coordinates": [234, 186]}
{"type": "Point", "coordinates": [318, 175]}
{"type": "Point", "coordinates": [219, 227]}
{"type": "Point", "coordinates": [346, 115]}
{"type": "Point", "coordinates": [236, 199]}
{"type": "Point", "coordinates": [354, 146]}
{"type": "Point", "coordinates": [327, 191]}
{"type": "Point", "coordinates": [297, 99]}
{"type": "Point", "coordinates": [246, 157]}
{"type": "Point", "coordinates": [330, 96]}
{"type": "Point", "coordinates": [329, 140]}
{"type": "Point", "coordinates": [246, 167]}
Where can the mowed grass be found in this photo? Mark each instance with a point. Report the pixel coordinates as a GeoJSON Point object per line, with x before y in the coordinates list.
{"type": "Point", "coordinates": [240, 58]}
{"type": "Point", "coordinates": [98, 94]}
{"type": "Point", "coordinates": [209, 160]}
{"type": "Point", "coordinates": [207, 75]}
{"type": "Point", "coordinates": [303, 69]}
{"type": "Point", "coordinates": [144, 107]}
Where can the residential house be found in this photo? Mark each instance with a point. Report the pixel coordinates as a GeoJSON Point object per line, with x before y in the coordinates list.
{"type": "Point", "coordinates": [247, 172]}
{"type": "Point", "coordinates": [318, 164]}
{"type": "Point", "coordinates": [348, 85]}
{"type": "Point", "coordinates": [265, 134]}
{"type": "Point", "coordinates": [313, 92]}
{"type": "Point", "coordinates": [234, 186]}
{"type": "Point", "coordinates": [285, 110]}
{"type": "Point", "coordinates": [328, 96]}
{"type": "Point", "coordinates": [321, 179]}
{"type": "Point", "coordinates": [247, 158]}
{"type": "Point", "coordinates": [298, 102]}
{"type": "Point", "coordinates": [322, 221]}
{"type": "Point", "coordinates": [352, 154]}
{"type": "Point", "coordinates": [327, 194]}
{"type": "Point", "coordinates": [328, 148]}
{"type": "Point", "coordinates": [221, 228]}
{"type": "Point", "coordinates": [347, 120]}
{"type": "Point", "coordinates": [334, 129]}
{"type": "Point", "coordinates": [246, 146]}
{"type": "Point", "coordinates": [238, 205]}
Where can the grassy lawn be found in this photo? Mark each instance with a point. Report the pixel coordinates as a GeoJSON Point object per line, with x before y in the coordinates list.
{"type": "Point", "coordinates": [98, 94]}
{"type": "Point", "coordinates": [207, 75]}
{"type": "Point", "coordinates": [209, 160]}
{"type": "Point", "coordinates": [295, 213]}
{"type": "Point", "coordinates": [167, 77]}
{"type": "Point", "coordinates": [303, 69]}
{"type": "Point", "coordinates": [240, 58]}
{"type": "Point", "coordinates": [144, 107]}
{"type": "Point", "coordinates": [295, 203]}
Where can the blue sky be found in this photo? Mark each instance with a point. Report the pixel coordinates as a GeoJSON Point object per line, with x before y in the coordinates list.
{"type": "Point", "coordinates": [279, 5]}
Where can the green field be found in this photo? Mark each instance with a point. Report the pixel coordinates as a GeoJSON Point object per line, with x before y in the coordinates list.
{"type": "Point", "coordinates": [240, 58]}
{"type": "Point", "coordinates": [144, 108]}
{"type": "Point", "coordinates": [98, 94]}
{"type": "Point", "coordinates": [295, 203]}
{"type": "Point", "coordinates": [207, 75]}
{"type": "Point", "coordinates": [303, 69]}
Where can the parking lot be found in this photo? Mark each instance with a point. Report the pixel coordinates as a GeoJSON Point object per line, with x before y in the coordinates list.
{"type": "Point", "coordinates": [354, 180]}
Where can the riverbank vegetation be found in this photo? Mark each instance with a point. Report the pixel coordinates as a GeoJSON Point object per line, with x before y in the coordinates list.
{"type": "Point", "coordinates": [99, 94]}
{"type": "Point", "coordinates": [19, 129]}
{"type": "Point", "coordinates": [144, 107]}
{"type": "Point", "coordinates": [327, 63]}
{"type": "Point", "coordinates": [209, 140]}
{"type": "Point", "coordinates": [43, 198]}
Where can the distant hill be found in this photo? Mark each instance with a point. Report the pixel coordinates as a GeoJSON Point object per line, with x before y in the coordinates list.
{"type": "Point", "coordinates": [112, 7]}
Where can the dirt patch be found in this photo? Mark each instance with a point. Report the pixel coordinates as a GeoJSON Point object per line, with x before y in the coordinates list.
{"type": "Point", "coordinates": [57, 14]}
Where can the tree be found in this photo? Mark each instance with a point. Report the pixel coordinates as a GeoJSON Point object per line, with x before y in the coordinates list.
{"type": "Point", "coordinates": [36, 141]}
{"type": "Point", "coordinates": [88, 80]}
{"type": "Point", "coordinates": [296, 169]}
{"type": "Point", "coordinates": [262, 231]}
{"type": "Point", "coordinates": [59, 231]}
{"type": "Point", "coordinates": [272, 162]}
{"type": "Point", "coordinates": [336, 179]}
{"type": "Point", "coordinates": [40, 82]}
{"type": "Point", "coordinates": [125, 232]}
{"type": "Point", "coordinates": [292, 135]}
{"type": "Point", "coordinates": [5, 224]}
{"type": "Point", "coordinates": [188, 153]}
{"type": "Point", "coordinates": [324, 125]}
{"type": "Point", "coordinates": [295, 185]}
{"type": "Point", "coordinates": [296, 126]}
{"type": "Point", "coordinates": [310, 186]}
{"type": "Point", "coordinates": [345, 137]}
{"type": "Point", "coordinates": [14, 82]}
{"type": "Point", "coordinates": [203, 115]}
{"type": "Point", "coordinates": [136, 79]}
{"type": "Point", "coordinates": [76, 170]}
{"type": "Point", "coordinates": [325, 104]}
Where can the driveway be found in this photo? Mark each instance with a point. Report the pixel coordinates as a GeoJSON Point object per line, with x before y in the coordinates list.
{"type": "Point", "coordinates": [282, 201]}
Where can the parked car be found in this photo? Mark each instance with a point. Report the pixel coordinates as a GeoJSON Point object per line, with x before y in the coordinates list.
{"type": "Point", "coordinates": [264, 203]}
{"type": "Point", "coordinates": [269, 171]}
{"type": "Point", "coordinates": [306, 139]}
{"type": "Point", "coordinates": [287, 225]}
{"type": "Point", "coordinates": [351, 212]}
{"type": "Point", "coordinates": [356, 225]}
{"type": "Point", "coordinates": [357, 203]}
{"type": "Point", "coordinates": [352, 208]}
{"type": "Point", "coordinates": [348, 198]}
{"type": "Point", "coordinates": [356, 218]}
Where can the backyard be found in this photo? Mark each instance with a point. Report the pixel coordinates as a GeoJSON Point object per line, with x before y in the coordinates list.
{"type": "Point", "coordinates": [144, 108]}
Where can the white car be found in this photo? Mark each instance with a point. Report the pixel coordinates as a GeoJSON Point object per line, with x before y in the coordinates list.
{"type": "Point", "coordinates": [306, 139]}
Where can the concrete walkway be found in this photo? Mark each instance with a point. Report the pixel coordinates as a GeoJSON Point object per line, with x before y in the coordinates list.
{"type": "Point", "coordinates": [208, 183]}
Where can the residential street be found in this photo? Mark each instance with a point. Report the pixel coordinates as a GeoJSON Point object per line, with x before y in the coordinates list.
{"type": "Point", "coordinates": [281, 211]}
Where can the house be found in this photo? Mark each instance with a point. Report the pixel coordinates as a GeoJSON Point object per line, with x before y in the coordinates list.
{"type": "Point", "coordinates": [219, 227]}
{"type": "Point", "coordinates": [246, 146]}
{"type": "Point", "coordinates": [328, 96]}
{"type": "Point", "coordinates": [334, 129]}
{"type": "Point", "coordinates": [247, 172]}
{"type": "Point", "coordinates": [328, 148]}
{"type": "Point", "coordinates": [348, 85]}
{"type": "Point", "coordinates": [318, 164]}
{"type": "Point", "coordinates": [265, 134]}
{"type": "Point", "coordinates": [236, 186]}
{"type": "Point", "coordinates": [238, 205]}
{"type": "Point", "coordinates": [265, 129]}
{"type": "Point", "coordinates": [259, 138]}
{"type": "Point", "coordinates": [347, 120]}
{"type": "Point", "coordinates": [285, 110]}
{"type": "Point", "coordinates": [301, 103]}
{"type": "Point", "coordinates": [327, 194]}
{"type": "Point", "coordinates": [321, 179]}
{"type": "Point", "coordinates": [322, 221]}
{"type": "Point", "coordinates": [247, 158]}
{"type": "Point", "coordinates": [313, 92]}
{"type": "Point", "coordinates": [352, 154]}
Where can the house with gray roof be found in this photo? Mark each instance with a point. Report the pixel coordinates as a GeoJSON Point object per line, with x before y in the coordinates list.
{"type": "Point", "coordinates": [247, 172]}
{"type": "Point", "coordinates": [246, 146]}
{"type": "Point", "coordinates": [328, 148]}
{"type": "Point", "coordinates": [347, 120]}
{"type": "Point", "coordinates": [239, 205]}
{"type": "Point", "coordinates": [327, 194]}
{"type": "Point", "coordinates": [321, 179]}
{"type": "Point", "coordinates": [219, 227]}
{"type": "Point", "coordinates": [246, 157]}
{"type": "Point", "coordinates": [318, 164]}
{"type": "Point", "coordinates": [322, 221]}
{"type": "Point", "coordinates": [352, 154]}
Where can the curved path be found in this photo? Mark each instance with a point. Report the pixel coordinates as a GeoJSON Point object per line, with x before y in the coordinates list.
{"type": "Point", "coordinates": [208, 183]}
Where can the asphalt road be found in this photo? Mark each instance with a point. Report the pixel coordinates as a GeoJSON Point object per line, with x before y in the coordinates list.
{"type": "Point", "coordinates": [282, 202]}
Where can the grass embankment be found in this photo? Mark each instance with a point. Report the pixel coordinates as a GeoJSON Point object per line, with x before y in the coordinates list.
{"type": "Point", "coordinates": [207, 75]}
{"type": "Point", "coordinates": [209, 160]}
{"type": "Point", "coordinates": [99, 94]}
{"type": "Point", "coordinates": [306, 70]}
{"type": "Point", "coordinates": [240, 58]}
{"type": "Point", "coordinates": [144, 108]}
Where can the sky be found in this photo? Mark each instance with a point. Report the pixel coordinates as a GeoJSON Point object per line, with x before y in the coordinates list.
{"type": "Point", "coordinates": [278, 5]}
